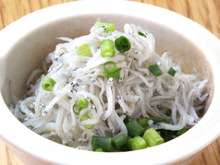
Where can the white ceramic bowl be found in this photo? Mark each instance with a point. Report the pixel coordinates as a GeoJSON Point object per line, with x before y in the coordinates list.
{"type": "Point", "coordinates": [26, 42]}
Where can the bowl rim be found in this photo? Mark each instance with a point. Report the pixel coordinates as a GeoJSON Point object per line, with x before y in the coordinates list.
{"type": "Point", "coordinates": [50, 151]}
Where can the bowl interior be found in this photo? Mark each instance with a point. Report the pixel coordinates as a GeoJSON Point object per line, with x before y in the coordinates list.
{"type": "Point", "coordinates": [29, 51]}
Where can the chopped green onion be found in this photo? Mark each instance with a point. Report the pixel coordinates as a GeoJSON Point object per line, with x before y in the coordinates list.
{"type": "Point", "coordinates": [159, 133]}
{"type": "Point", "coordinates": [115, 74]}
{"type": "Point", "coordinates": [168, 112]}
{"type": "Point", "coordinates": [99, 150]}
{"type": "Point", "coordinates": [134, 128]}
{"type": "Point", "coordinates": [143, 122]}
{"type": "Point", "coordinates": [126, 120]}
{"type": "Point", "coordinates": [107, 48]}
{"type": "Point", "coordinates": [122, 44]}
{"type": "Point", "coordinates": [124, 148]}
{"type": "Point", "coordinates": [82, 103]}
{"type": "Point", "coordinates": [152, 137]}
{"type": "Point", "coordinates": [155, 70]}
{"type": "Point", "coordinates": [181, 131]}
{"type": "Point", "coordinates": [85, 117]}
{"type": "Point", "coordinates": [110, 27]}
{"type": "Point", "coordinates": [83, 50]}
{"type": "Point", "coordinates": [142, 34]}
{"type": "Point", "coordinates": [119, 141]}
{"type": "Point", "coordinates": [87, 126]}
{"type": "Point", "coordinates": [171, 71]}
{"type": "Point", "coordinates": [137, 143]}
{"type": "Point", "coordinates": [110, 70]}
{"type": "Point", "coordinates": [167, 134]}
{"type": "Point", "coordinates": [76, 109]}
{"type": "Point", "coordinates": [109, 67]}
{"type": "Point", "coordinates": [101, 142]}
{"type": "Point", "coordinates": [48, 83]}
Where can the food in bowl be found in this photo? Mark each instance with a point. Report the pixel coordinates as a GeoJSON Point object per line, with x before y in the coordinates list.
{"type": "Point", "coordinates": [110, 90]}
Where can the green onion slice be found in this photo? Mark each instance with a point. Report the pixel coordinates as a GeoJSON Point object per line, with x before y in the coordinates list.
{"type": "Point", "coordinates": [126, 120]}
{"type": "Point", "coordinates": [101, 142]}
{"type": "Point", "coordinates": [137, 143]}
{"type": "Point", "coordinates": [48, 83]}
{"type": "Point", "coordinates": [99, 150]}
{"type": "Point", "coordinates": [82, 103]}
{"type": "Point", "coordinates": [119, 141]}
{"type": "Point", "coordinates": [115, 74]}
{"type": "Point", "coordinates": [134, 128]}
{"type": "Point", "coordinates": [181, 131]}
{"type": "Point", "coordinates": [171, 71]}
{"type": "Point", "coordinates": [110, 27]}
{"type": "Point", "coordinates": [143, 122]}
{"type": "Point", "coordinates": [84, 50]}
{"type": "Point", "coordinates": [87, 126]}
{"type": "Point", "coordinates": [167, 134]}
{"type": "Point", "coordinates": [109, 67]}
{"type": "Point", "coordinates": [142, 34]}
{"type": "Point", "coordinates": [168, 112]}
{"type": "Point", "coordinates": [155, 70]}
{"type": "Point", "coordinates": [152, 137]}
{"type": "Point", "coordinates": [76, 109]}
{"type": "Point", "coordinates": [122, 44]}
{"type": "Point", "coordinates": [107, 48]}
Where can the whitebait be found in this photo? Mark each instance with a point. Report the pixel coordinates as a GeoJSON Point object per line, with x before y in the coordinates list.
{"type": "Point", "coordinates": [95, 82]}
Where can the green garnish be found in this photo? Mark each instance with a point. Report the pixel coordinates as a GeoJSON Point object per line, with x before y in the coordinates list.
{"type": "Point", "coordinates": [99, 150]}
{"type": "Point", "coordinates": [142, 34]}
{"type": "Point", "coordinates": [115, 74]}
{"type": "Point", "coordinates": [101, 142]}
{"type": "Point", "coordinates": [168, 112]}
{"type": "Point", "coordinates": [82, 103]}
{"type": "Point", "coordinates": [155, 70]}
{"type": "Point", "coordinates": [137, 143]}
{"type": "Point", "coordinates": [109, 67]}
{"type": "Point", "coordinates": [171, 71]}
{"type": "Point", "coordinates": [167, 134]}
{"type": "Point", "coordinates": [126, 120]}
{"type": "Point", "coordinates": [152, 137]}
{"type": "Point", "coordinates": [181, 131]}
{"type": "Point", "coordinates": [119, 141]}
{"type": "Point", "coordinates": [143, 122]}
{"type": "Point", "coordinates": [109, 27]}
{"type": "Point", "coordinates": [134, 128]}
{"type": "Point", "coordinates": [110, 70]}
{"type": "Point", "coordinates": [122, 44]}
{"type": "Point", "coordinates": [87, 126]}
{"type": "Point", "coordinates": [83, 50]}
{"type": "Point", "coordinates": [107, 48]}
{"type": "Point", "coordinates": [76, 109]}
{"type": "Point", "coordinates": [48, 83]}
